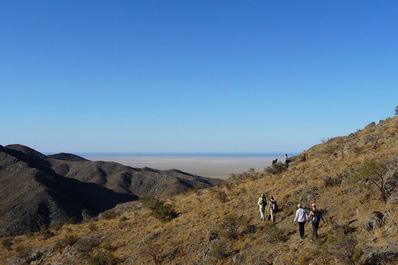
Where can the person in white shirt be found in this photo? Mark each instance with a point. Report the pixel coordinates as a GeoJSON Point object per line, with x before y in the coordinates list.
{"type": "Point", "coordinates": [262, 202]}
{"type": "Point", "coordinates": [301, 217]}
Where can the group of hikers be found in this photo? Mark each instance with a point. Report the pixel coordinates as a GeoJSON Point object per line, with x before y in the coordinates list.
{"type": "Point", "coordinates": [301, 217]}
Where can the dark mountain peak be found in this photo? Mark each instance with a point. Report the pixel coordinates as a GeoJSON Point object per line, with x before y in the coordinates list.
{"type": "Point", "coordinates": [27, 155]}
{"type": "Point", "coordinates": [26, 150]}
{"type": "Point", "coordinates": [68, 157]}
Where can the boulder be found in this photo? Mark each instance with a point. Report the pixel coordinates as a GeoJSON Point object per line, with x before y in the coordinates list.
{"type": "Point", "coordinates": [375, 220]}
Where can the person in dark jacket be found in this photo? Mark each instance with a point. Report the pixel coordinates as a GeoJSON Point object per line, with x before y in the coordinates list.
{"type": "Point", "coordinates": [316, 217]}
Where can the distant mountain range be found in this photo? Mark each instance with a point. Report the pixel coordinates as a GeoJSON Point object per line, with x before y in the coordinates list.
{"type": "Point", "coordinates": [37, 190]}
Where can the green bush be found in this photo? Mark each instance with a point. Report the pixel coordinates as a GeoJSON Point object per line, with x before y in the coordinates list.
{"type": "Point", "coordinates": [372, 172]}
{"type": "Point", "coordinates": [276, 168]}
{"type": "Point", "coordinates": [164, 212]}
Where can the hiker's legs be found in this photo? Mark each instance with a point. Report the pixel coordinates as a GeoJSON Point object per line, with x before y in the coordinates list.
{"type": "Point", "coordinates": [301, 229]}
{"type": "Point", "coordinates": [272, 215]}
{"type": "Point", "coordinates": [315, 226]}
{"type": "Point", "coordinates": [261, 212]}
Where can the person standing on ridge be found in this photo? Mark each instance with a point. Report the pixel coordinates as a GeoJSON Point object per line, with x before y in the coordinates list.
{"type": "Point", "coordinates": [272, 207]}
{"type": "Point", "coordinates": [315, 216]}
{"type": "Point", "coordinates": [301, 217]}
{"type": "Point", "coordinates": [287, 160]}
{"type": "Point", "coordinates": [262, 202]}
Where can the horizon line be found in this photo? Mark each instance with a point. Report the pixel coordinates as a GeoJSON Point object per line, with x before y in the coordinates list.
{"type": "Point", "coordinates": [183, 154]}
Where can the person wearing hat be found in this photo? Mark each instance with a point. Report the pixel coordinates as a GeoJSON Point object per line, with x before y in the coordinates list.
{"type": "Point", "coordinates": [262, 202]}
{"type": "Point", "coordinates": [315, 216]}
{"type": "Point", "coordinates": [301, 217]}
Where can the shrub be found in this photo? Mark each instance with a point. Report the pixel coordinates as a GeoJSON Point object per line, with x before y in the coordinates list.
{"type": "Point", "coordinates": [102, 258]}
{"type": "Point", "coordinates": [46, 234]}
{"type": "Point", "coordinates": [93, 227]}
{"type": "Point", "coordinates": [217, 250]}
{"type": "Point", "coordinates": [56, 226]}
{"type": "Point", "coordinates": [151, 203]}
{"type": "Point", "coordinates": [72, 220]}
{"type": "Point", "coordinates": [69, 240]}
{"type": "Point", "coordinates": [109, 214]}
{"type": "Point", "coordinates": [221, 196]}
{"type": "Point", "coordinates": [396, 111]}
{"type": "Point", "coordinates": [330, 181]}
{"type": "Point", "coordinates": [339, 248]}
{"type": "Point", "coordinates": [7, 243]}
{"type": "Point", "coordinates": [372, 172]}
{"type": "Point", "coordinates": [276, 168]}
{"type": "Point", "coordinates": [164, 213]}
{"type": "Point", "coordinates": [273, 234]}
{"type": "Point", "coordinates": [123, 219]}
{"type": "Point", "coordinates": [86, 245]}
{"type": "Point", "coordinates": [230, 226]}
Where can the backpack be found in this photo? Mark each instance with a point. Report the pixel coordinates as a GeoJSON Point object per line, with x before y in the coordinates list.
{"type": "Point", "coordinates": [316, 218]}
{"type": "Point", "coordinates": [263, 202]}
{"type": "Point", "coordinates": [274, 206]}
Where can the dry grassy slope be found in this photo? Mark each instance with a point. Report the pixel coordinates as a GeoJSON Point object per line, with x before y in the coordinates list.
{"type": "Point", "coordinates": [185, 240]}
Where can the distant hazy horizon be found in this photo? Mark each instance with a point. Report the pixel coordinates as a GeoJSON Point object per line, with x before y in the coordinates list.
{"type": "Point", "coordinates": [205, 165]}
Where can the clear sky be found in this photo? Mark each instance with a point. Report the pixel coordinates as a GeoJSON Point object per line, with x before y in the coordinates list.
{"type": "Point", "coordinates": [194, 76]}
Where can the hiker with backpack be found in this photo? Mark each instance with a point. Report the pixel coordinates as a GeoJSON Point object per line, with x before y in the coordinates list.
{"type": "Point", "coordinates": [301, 217]}
{"type": "Point", "coordinates": [315, 216]}
{"type": "Point", "coordinates": [272, 207]}
{"type": "Point", "coordinates": [262, 202]}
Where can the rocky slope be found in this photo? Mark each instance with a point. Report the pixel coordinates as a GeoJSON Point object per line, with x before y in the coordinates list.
{"type": "Point", "coordinates": [221, 225]}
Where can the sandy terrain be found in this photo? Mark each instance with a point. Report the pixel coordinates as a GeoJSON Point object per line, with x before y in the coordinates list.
{"type": "Point", "coordinates": [206, 166]}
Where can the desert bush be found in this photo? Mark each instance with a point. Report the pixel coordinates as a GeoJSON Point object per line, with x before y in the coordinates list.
{"type": "Point", "coordinates": [227, 185]}
{"type": "Point", "coordinates": [371, 172]}
{"type": "Point", "coordinates": [93, 227]}
{"type": "Point", "coordinates": [108, 246]}
{"type": "Point", "coordinates": [164, 212]}
{"type": "Point", "coordinates": [102, 258]}
{"type": "Point", "coordinates": [151, 203]}
{"type": "Point", "coordinates": [217, 250]}
{"type": "Point", "coordinates": [110, 214]}
{"type": "Point", "coordinates": [7, 243]}
{"type": "Point", "coordinates": [69, 240]}
{"type": "Point", "coordinates": [273, 234]}
{"type": "Point", "coordinates": [86, 245]}
{"type": "Point", "coordinates": [72, 220]}
{"type": "Point", "coordinates": [339, 246]}
{"type": "Point", "coordinates": [56, 226]}
{"type": "Point", "coordinates": [329, 149]}
{"type": "Point", "coordinates": [221, 196]}
{"type": "Point", "coordinates": [46, 234]}
{"type": "Point", "coordinates": [276, 168]}
{"type": "Point", "coordinates": [230, 225]}
{"type": "Point", "coordinates": [152, 250]}
{"type": "Point", "coordinates": [329, 181]}
{"type": "Point", "coordinates": [123, 219]}
{"type": "Point", "coordinates": [160, 210]}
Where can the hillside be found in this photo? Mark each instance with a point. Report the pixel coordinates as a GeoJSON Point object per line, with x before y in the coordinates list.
{"type": "Point", "coordinates": [38, 190]}
{"type": "Point", "coordinates": [221, 225]}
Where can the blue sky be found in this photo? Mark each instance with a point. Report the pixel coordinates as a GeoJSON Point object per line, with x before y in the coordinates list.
{"type": "Point", "coordinates": [194, 76]}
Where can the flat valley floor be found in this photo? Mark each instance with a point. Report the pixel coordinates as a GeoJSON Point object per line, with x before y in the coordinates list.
{"type": "Point", "coordinates": [205, 166]}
